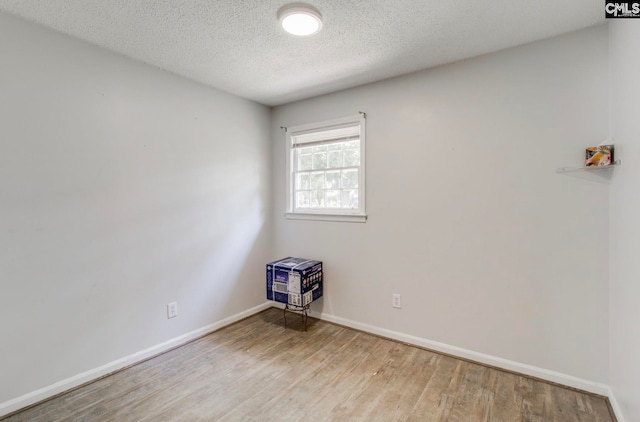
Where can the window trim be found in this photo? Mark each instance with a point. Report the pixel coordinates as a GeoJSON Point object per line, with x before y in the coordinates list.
{"type": "Point", "coordinates": [348, 215]}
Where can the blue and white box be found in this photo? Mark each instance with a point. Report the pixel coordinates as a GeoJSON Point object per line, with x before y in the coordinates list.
{"type": "Point", "coordinates": [295, 281]}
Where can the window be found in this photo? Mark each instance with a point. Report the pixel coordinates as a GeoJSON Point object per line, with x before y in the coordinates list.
{"type": "Point", "coordinates": [326, 170]}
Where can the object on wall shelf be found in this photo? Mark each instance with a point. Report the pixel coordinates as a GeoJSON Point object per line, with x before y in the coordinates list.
{"type": "Point", "coordinates": [585, 168]}
{"type": "Point", "coordinates": [601, 155]}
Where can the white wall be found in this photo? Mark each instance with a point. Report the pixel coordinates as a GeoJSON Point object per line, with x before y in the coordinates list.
{"type": "Point", "coordinates": [122, 188]}
{"type": "Point", "coordinates": [625, 223]}
{"type": "Point", "coordinates": [491, 249]}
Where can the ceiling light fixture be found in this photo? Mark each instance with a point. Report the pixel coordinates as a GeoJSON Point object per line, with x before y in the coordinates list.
{"type": "Point", "coordinates": [300, 19]}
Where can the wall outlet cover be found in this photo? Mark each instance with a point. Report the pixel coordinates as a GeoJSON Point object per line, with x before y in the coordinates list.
{"type": "Point", "coordinates": [172, 310]}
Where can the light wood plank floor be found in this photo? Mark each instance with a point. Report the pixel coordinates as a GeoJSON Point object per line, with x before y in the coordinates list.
{"type": "Point", "coordinates": [256, 370]}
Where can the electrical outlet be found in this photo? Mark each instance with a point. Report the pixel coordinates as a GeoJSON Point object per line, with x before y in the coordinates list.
{"type": "Point", "coordinates": [172, 310]}
{"type": "Point", "coordinates": [396, 300]}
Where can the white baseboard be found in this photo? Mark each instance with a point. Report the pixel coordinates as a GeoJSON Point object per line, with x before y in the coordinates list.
{"type": "Point", "coordinates": [69, 383]}
{"type": "Point", "coordinates": [616, 406]}
{"type": "Point", "coordinates": [533, 371]}
{"type": "Point", "coordinates": [545, 374]}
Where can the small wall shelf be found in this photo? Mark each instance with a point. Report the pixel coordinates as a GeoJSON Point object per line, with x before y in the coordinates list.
{"type": "Point", "coordinates": [584, 168]}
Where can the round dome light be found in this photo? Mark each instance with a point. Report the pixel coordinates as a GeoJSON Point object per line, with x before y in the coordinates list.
{"type": "Point", "coordinates": [300, 19]}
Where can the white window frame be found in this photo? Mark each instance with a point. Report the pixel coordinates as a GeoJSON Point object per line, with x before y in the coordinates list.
{"type": "Point", "coordinates": [348, 215]}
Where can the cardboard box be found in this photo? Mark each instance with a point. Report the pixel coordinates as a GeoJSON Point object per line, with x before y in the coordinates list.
{"type": "Point", "coordinates": [296, 281]}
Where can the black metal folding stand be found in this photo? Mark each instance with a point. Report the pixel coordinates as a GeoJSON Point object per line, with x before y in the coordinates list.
{"type": "Point", "coordinates": [303, 311]}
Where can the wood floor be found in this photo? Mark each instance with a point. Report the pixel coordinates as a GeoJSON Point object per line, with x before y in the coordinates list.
{"type": "Point", "coordinates": [256, 370]}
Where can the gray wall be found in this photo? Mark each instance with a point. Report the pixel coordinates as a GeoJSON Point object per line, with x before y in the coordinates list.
{"type": "Point", "coordinates": [122, 188]}
{"type": "Point", "coordinates": [625, 223]}
{"type": "Point", "coordinates": [491, 250]}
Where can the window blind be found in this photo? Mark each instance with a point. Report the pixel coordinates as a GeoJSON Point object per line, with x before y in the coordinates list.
{"type": "Point", "coordinates": [342, 134]}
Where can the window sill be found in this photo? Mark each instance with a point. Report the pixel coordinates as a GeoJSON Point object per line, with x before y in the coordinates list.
{"type": "Point", "coordinates": [347, 218]}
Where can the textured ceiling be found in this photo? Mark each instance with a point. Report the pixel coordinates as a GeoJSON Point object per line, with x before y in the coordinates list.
{"type": "Point", "coordinates": [237, 45]}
